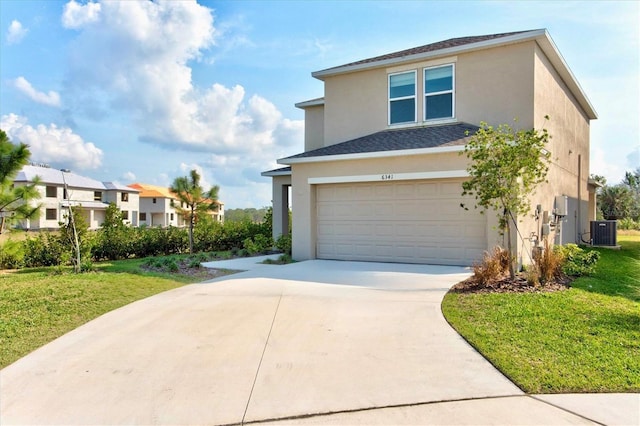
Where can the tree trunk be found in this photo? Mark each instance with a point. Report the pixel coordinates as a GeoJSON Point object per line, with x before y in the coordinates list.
{"type": "Point", "coordinates": [191, 223]}
{"type": "Point", "coordinates": [512, 271]}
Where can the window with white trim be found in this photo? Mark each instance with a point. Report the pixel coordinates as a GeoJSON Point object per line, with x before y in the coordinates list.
{"type": "Point", "coordinates": [402, 97]}
{"type": "Point", "coordinates": [439, 86]}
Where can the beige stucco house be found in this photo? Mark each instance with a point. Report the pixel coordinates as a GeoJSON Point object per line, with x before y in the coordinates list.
{"type": "Point", "coordinates": [381, 172]}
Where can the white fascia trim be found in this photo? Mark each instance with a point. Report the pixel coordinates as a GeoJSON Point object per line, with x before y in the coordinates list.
{"type": "Point", "coordinates": [368, 155]}
{"type": "Point", "coordinates": [313, 102]}
{"type": "Point", "coordinates": [388, 177]}
{"type": "Point", "coordinates": [426, 55]}
{"type": "Point", "coordinates": [271, 174]}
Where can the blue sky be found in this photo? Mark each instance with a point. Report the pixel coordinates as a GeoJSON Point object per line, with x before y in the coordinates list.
{"type": "Point", "coordinates": [140, 91]}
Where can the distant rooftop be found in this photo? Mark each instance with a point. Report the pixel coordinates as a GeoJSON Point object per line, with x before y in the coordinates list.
{"type": "Point", "coordinates": [53, 176]}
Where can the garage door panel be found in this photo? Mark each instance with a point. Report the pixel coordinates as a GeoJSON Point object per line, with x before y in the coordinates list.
{"type": "Point", "coordinates": [384, 192]}
{"type": "Point", "coordinates": [364, 192]}
{"type": "Point", "coordinates": [426, 189]}
{"type": "Point", "coordinates": [409, 221]}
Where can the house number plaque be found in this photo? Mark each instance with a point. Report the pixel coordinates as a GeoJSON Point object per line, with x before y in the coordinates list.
{"type": "Point", "coordinates": [387, 177]}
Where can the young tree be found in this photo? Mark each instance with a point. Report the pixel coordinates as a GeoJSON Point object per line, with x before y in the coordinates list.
{"type": "Point", "coordinates": [505, 167]}
{"type": "Point", "coordinates": [14, 200]}
{"type": "Point", "coordinates": [616, 202]}
{"type": "Point", "coordinates": [74, 232]}
{"type": "Point", "coordinates": [194, 199]}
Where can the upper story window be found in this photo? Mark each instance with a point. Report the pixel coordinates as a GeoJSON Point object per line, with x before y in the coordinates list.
{"type": "Point", "coordinates": [124, 196]}
{"type": "Point", "coordinates": [52, 191]}
{"type": "Point", "coordinates": [438, 92]}
{"type": "Point", "coordinates": [402, 97]}
{"type": "Point", "coordinates": [97, 195]}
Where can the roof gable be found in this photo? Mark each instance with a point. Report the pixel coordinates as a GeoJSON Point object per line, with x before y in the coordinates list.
{"type": "Point", "coordinates": [57, 177]}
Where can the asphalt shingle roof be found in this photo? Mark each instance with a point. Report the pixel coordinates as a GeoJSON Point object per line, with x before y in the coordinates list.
{"type": "Point", "coordinates": [399, 139]}
{"type": "Point", "coordinates": [277, 172]}
{"type": "Point", "coordinates": [432, 47]}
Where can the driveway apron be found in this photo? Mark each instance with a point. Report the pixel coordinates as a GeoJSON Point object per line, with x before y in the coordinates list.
{"type": "Point", "coordinates": [315, 337]}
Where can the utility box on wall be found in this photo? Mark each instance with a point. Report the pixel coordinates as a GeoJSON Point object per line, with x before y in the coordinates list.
{"type": "Point", "coordinates": [603, 232]}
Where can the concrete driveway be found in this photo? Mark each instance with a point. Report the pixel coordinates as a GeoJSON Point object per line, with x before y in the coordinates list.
{"type": "Point", "coordinates": [313, 342]}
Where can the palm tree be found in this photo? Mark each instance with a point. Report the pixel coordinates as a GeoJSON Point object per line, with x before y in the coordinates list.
{"type": "Point", "coordinates": [14, 200]}
{"type": "Point", "coordinates": [194, 200]}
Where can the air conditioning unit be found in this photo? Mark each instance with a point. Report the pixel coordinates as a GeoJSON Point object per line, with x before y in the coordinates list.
{"type": "Point", "coordinates": [603, 232]}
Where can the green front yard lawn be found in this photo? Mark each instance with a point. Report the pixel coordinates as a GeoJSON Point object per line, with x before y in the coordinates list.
{"type": "Point", "coordinates": [585, 339]}
{"type": "Point", "coordinates": [39, 305]}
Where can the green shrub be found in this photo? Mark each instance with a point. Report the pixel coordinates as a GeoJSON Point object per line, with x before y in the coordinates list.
{"type": "Point", "coordinates": [250, 246]}
{"type": "Point", "coordinates": [157, 241]}
{"type": "Point", "coordinates": [172, 265]}
{"type": "Point", "coordinates": [12, 255]}
{"type": "Point", "coordinates": [87, 266]}
{"type": "Point", "coordinates": [628, 224]}
{"type": "Point", "coordinates": [578, 261]}
{"type": "Point", "coordinates": [283, 243]}
{"type": "Point", "coordinates": [44, 249]}
{"type": "Point", "coordinates": [216, 236]}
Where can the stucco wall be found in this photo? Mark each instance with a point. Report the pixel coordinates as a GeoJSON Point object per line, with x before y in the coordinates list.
{"type": "Point", "coordinates": [493, 85]}
{"type": "Point", "coordinates": [496, 85]}
{"type": "Point", "coordinates": [313, 127]}
{"type": "Point", "coordinates": [568, 174]}
{"type": "Point", "coordinates": [355, 105]}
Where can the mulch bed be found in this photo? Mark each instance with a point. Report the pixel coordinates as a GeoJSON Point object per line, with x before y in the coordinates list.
{"type": "Point", "coordinates": [201, 273]}
{"type": "Point", "coordinates": [507, 285]}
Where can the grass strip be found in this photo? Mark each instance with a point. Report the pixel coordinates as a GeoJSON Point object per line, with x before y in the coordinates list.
{"type": "Point", "coordinates": [586, 339]}
{"type": "Point", "coordinates": [39, 305]}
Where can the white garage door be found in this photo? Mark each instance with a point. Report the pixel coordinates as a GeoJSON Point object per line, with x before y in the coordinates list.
{"type": "Point", "coordinates": [401, 221]}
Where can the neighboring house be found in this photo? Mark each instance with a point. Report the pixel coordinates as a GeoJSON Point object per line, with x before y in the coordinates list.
{"type": "Point", "coordinates": [158, 207]}
{"type": "Point", "coordinates": [61, 189]}
{"type": "Point", "coordinates": [381, 172]}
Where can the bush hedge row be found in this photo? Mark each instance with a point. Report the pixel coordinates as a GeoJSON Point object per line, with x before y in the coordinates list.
{"type": "Point", "coordinates": [123, 242]}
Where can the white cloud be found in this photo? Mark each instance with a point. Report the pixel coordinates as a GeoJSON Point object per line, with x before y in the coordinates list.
{"type": "Point", "coordinates": [51, 98]}
{"type": "Point", "coordinates": [52, 144]}
{"type": "Point", "coordinates": [76, 15]}
{"type": "Point", "coordinates": [128, 177]}
{"type": "Point", "coordinates": [16, 32]}
{"type": "Point", "coordinates": [138, 57]}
